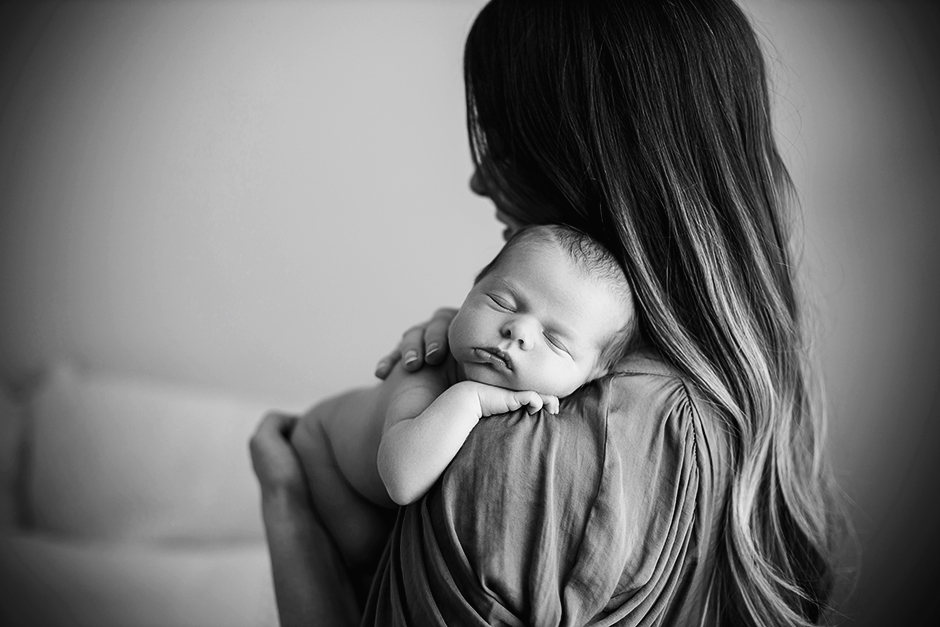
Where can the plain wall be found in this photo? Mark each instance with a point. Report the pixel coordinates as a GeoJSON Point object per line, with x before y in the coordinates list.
{"type": "Point", "coordinates": [251, 194]}
{"type": "Point", "coordinates": [261, 196]}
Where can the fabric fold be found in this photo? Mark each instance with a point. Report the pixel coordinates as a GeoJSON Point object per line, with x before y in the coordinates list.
{"type": "Point", "coordinates": [599, 515]}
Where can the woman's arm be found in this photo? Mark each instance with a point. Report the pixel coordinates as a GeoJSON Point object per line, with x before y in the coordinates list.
{"type": "Point", "coordinates": [424, 431]}
{"type": "Point", "coordinates": [311, 584]}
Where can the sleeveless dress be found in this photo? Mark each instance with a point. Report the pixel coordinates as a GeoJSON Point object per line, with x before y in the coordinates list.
{"type": "Point", "coordinates": [604, 514]}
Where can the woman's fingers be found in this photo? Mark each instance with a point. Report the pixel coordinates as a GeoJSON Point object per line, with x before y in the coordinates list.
{"type": "Point", "coordinates": [385, 365]}
{"type": "Point", "coordinates": [421, 344]}
{"type": "Point", "coordinates": [412, 348]}
{"type": "Point", "coordinates": [275, 426]}
{"type": "Point", "coordinates": [283, 423]}
{"type": "Point", "coordinates": [435, 335]}
{"type": "Point", "coordinates": [410, 352]}
{"type": "Point", "coordinates": [275, 463]}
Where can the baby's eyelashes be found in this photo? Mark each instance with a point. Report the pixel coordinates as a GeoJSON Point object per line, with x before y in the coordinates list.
{"type": "Point", "coordinates": [501, 302]}
{"type": "Point", "coordinates": [556, 343]}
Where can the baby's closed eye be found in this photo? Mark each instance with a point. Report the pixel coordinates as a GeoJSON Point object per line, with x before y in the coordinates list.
{"type": "Point", "coordinates": [501, 302]}
{"type": "Point", "coordinates": [556, 343]}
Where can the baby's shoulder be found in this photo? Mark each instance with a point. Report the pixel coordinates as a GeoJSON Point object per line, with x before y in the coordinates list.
{"type": "Point", "coordinates": [430, 378]}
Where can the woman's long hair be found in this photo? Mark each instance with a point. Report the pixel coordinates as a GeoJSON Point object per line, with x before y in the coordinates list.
{"type": "Point", "coordinates": [647, 124]}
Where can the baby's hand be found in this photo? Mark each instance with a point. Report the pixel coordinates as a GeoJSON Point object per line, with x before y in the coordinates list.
{"type": "Point", "coordinates": [495, 400]}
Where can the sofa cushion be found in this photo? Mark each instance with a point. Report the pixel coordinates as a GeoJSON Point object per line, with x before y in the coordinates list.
{"type": "Point", "coordinates": [119, 457]}
{"type": "Point", "coordinates": [63, 583]}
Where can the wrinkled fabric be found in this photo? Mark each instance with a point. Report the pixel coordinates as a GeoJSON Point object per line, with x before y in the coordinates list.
{"type": "Point", "coordinates": [604, 514]}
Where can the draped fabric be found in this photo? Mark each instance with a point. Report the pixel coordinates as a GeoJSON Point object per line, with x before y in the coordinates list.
{"type": "Point", "coordinates": [604, 514]}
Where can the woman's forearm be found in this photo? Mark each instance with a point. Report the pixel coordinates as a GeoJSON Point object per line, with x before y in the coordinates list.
{"type": "Point", "coordinates": [311, 584]}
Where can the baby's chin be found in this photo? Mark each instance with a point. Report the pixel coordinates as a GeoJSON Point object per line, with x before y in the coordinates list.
{"type": "Point", "coordinates": [560, 389]}
{"type": "Point", "coordinates": [482, 373]}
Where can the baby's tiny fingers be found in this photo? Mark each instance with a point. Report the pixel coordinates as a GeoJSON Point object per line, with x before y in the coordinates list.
{"type": "Point", "coordinates": [550, 403]}
{"type": "Point", "coordinates": [534, 401]}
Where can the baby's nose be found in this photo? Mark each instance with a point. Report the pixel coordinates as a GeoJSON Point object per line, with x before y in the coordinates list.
{"type": "Point", "coordinates": [519, 333]}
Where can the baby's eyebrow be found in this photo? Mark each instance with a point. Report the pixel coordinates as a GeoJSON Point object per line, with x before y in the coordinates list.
{"type": "Point", "coordinates": [503, 283]}
{"type": "Point", "coordinates": [556, 327]}
{"type": "Point", "coordinates": [509, 287]}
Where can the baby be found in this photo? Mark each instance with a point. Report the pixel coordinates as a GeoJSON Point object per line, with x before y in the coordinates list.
{"type": "Point", "coordinates": [550, 313]}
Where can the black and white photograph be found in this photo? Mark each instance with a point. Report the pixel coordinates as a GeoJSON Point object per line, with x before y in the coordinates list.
{"type": "Point", "coordinates": [427, 313]}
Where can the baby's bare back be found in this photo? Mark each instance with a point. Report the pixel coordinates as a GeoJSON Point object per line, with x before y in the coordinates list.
{"type": "Point", "coordinates": [352, 424]}
{"type": "Point", "coordinates": [346, 430]}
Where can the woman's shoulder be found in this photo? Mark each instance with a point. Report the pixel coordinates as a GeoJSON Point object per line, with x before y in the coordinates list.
{"type": "Point", "coordinates": [647, 402]}
{"type": "Point", "coordinates": [645, 370]}
{"type": "Point", "coordinates": [643, 384]}
{"type": "Point", "coordinates": [662, 479]}
{"type": "Point", "coordinates": [594, 500]}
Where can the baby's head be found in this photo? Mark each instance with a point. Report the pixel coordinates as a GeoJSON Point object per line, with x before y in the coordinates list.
{"type": "Point", "coordinates": [551, 312]}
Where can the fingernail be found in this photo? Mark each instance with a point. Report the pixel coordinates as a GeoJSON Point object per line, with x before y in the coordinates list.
{"type": "Point", "coordinates": [379, 367]}
{"type": "Point", "coordinates": [411, 357]}
{"type": "Point", "coordinates": [432, 348]}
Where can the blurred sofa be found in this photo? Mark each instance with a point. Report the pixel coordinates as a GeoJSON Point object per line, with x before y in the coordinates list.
{"type": "Point", "coordinates": [128, 501]}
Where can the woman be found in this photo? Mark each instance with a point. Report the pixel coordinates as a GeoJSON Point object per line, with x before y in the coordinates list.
{"type": "Point", "coordinates": [688, 488]}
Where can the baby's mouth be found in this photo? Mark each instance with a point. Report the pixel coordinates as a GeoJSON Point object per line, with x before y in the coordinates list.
{"type": "Point", "coordinates": [495, 357]}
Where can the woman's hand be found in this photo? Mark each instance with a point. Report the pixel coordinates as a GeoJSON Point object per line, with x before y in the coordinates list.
{"type": "Point", "coordinates": [311, 584]}
{"type": "Point", "coordinates": [421, 344]}
{"type": "Point", "coordinates": [275, 462]}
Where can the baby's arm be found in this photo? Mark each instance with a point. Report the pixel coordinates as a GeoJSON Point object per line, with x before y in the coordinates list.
{"type": "Point", "coordinates": [424, 431]}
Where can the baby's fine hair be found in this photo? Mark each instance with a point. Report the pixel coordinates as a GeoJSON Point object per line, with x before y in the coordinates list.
{"type": "Point", "coordinates": [595, 260]}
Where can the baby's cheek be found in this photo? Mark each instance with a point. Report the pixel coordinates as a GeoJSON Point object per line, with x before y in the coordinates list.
{"type": "Point", "coordinates": [456, 335]}
{"type": "Point", "coordinates": [557, 381]}
{"type": "Point", "coordinates": [461, 343]}
{"type": "Point", "coordinates": [573, 378]}
{"type": "Point", "coordinates": [452, 340]}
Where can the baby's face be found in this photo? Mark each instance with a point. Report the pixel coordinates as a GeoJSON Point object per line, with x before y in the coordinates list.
{"type": "Point", "coordinates": [537, 322]}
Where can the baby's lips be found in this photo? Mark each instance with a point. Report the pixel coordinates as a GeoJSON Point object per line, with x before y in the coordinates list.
{"type": "Point", "coordinates": [495, 357]}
